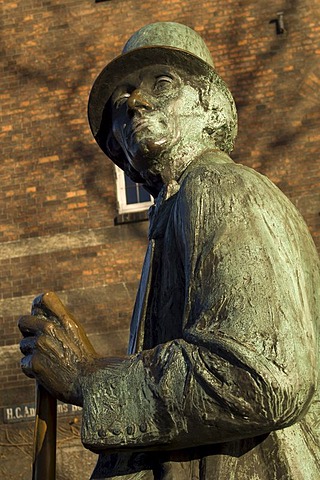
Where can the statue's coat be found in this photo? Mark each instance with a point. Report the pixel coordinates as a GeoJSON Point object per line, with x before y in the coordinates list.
{"type": "Point", "coordinates": [224, 356]}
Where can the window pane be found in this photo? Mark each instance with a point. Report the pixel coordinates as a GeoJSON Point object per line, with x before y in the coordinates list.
{"type": "Point", "coordinates": [143, 195]}
{"type": "Point", "coordinates": [131, 191]}
{"type": "Point", "coordinates": [128, 181]}
{"type": "Point", "coordinates": [135, 193]}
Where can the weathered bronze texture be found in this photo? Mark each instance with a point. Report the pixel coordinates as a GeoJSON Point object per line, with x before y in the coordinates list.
{"type": "Point", "coordinates": [221, 376]}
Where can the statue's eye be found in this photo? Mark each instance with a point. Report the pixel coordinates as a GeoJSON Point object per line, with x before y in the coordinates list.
{"type": "Point", "coordinates": [163, 82]}
{"type": "Point", "coordinates": [120, 99]}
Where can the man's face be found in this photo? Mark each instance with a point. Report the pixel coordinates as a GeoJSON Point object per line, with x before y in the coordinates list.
{"type": "Point", "coordinates": [152, 110]}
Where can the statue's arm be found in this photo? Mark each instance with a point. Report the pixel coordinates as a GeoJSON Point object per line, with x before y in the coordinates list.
{"type": "Point", "coordinates": [246, 362]}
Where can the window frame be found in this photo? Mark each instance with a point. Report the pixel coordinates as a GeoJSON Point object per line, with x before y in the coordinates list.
{"type": "Point", "coordinates": [123, 206]}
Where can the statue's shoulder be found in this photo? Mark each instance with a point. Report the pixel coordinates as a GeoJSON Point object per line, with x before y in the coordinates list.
{"type": "Point", "coordinates": [224, 175]}
{"type": "Point", "coordinates": [233, 186]}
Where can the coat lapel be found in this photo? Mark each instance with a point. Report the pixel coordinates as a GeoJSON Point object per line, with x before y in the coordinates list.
{"type": "Point", "coordinates": [140, 308]}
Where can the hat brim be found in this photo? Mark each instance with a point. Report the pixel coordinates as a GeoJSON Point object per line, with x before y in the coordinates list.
{"type": "Point", "coordinates": [114, 73]}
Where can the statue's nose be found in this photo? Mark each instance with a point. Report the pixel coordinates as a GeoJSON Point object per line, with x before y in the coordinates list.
{"type": "Point", "coordinates": [138, 100]}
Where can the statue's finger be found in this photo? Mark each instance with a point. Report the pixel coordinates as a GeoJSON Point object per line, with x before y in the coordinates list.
{"type": "Point", "coordinates": [28, 325]}
{"type": "Point", "coordinates": [50, 346]}
{"type": "Point", "coordinates": [37, 302]}
{"type": "Point", "coordinates": [76, 337]}
{"type": "Point", "coordinates": [26, 366]}
{"type": "Point", "coordinates": [27, 345]}
{"type": "Point", "coordinates": [52, 304]}
{"type": "Point", "coordinates": [39, 305]}
{"type": "Point", "coordinates": [34, 325]}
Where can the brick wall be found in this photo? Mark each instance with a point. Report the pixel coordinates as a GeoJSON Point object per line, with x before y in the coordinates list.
{"type": "Point", "coordinates": [57, 191]}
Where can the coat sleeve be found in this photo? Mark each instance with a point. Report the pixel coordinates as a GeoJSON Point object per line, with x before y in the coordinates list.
{"type": "Point", "coordinates": [245, 364]}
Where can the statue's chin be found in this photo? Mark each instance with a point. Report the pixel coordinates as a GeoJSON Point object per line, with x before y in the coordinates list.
{"type": "Point", "coordinates": [150, 147]}
{"type": "Point", "coordinates": [147, 155]}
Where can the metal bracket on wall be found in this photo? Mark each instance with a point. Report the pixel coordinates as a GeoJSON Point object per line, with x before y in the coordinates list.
{"type": "Point", "coordinates": [279, 21]}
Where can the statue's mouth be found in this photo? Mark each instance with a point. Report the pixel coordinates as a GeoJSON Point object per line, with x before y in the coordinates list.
{"type": "Point", "coordinates": [138, 124]}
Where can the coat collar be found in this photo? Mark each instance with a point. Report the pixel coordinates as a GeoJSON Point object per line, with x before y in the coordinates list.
{"type": "Point", "coordinates": [160, 211]}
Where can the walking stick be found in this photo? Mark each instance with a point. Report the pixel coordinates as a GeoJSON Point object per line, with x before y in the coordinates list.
{"type": "Point", "coordinates": [45, 433]}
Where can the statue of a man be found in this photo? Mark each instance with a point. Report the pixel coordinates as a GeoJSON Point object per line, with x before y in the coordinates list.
{"type": "Point", "coordinates": [220, 380]}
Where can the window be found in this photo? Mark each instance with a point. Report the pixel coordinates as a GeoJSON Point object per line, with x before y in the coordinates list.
{"type": "Point", "coordinates": [132, 197]}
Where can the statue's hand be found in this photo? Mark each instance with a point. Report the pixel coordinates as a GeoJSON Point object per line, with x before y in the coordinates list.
{"type": "Point", "coordinates": [57, 351]}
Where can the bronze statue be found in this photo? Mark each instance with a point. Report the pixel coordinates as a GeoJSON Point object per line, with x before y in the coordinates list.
{"type": "Point", "coordinates": [220, 380]}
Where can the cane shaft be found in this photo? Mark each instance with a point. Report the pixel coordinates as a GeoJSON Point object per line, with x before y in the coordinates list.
{"type": "Point", "coordinates": [44, 461]}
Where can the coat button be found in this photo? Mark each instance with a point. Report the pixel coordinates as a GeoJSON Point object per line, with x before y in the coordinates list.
{"type": "Point", "coordinates": [102, 433]}
{"type": "Point", "coordinates": [130, 430]}
{"type": "Point", "coordinates": [143, 427]}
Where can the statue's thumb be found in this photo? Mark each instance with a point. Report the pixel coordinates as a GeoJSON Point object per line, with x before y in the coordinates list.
{"type": "Point", "coordinates": [50, 304]}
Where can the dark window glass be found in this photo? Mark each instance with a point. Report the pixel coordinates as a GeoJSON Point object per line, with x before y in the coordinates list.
{"type": "Point", "coordinates": [131, 191]}
{"type": "Point", "coordinates": [144, 196]}
{"type": "Point", "coordinates": [134, 192]}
